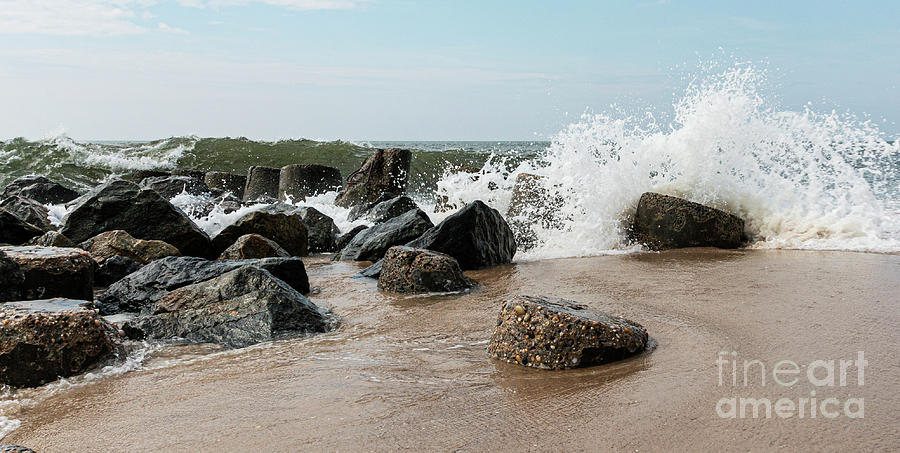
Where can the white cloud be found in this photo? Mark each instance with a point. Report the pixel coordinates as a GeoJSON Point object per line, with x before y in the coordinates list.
{"type": "Point", "coordinates": [299, 5]}
{"type": "Point", "coordinates": [166, 28]}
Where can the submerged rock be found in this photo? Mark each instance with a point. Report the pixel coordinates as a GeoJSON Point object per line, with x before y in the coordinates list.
{"type": "Point", "coordinates": [11, 279]}
{"type": "Point", "coordinates": [665, 222]}
{"type": "Point", "coordinates": [54, 272]}
{"type": "Point", "coordinates": [114, 269]}
{"type": "Point", "coordinates": [51, 239]}
{"type": "Point", "coordinates": [409, 270]}
{"type": "Point", "coordinates": [282, 224]}
{"type": "Point", "coordinates": [387, 171]}
{"type": "Point", "coordinates": [242, 307]}
{"type": "Point", "coordinates": [143, 213]}
{"type": "Point", "coordinates": [170, 186]}
{"type": "Point", "coordinates": [45, 339]}
{"type": "Point", "coordinates": [372, 243]}
{"type": "Point", "coordinates": [345, 238]}
{"type": "Point", "coordinates": [322, 230]}
{"type": "Point", "coordinates": [551, 333]}
{"type": "Point", "coordinates": [40, 189]}
{"type": "Point", "coordinates": [250, 246]}
{"type": "Point", "coordinates": [296, 182]}
{"type": "Point", "coordinates": [476, 235]}
{"type": "Point", "coordinates": [14, 230]}
{"type": "Point", "coordinates": [28, 210]}
{"type": "Point", "coordinates": [262, 182]}
{"type": "Point", "coordinates": [119, 242]}
{"type": "Point", "coordinates": [229, 182]}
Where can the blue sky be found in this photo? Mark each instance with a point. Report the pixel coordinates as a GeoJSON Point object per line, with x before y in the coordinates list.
{"type": "Point", "coordinates": [415, 70]}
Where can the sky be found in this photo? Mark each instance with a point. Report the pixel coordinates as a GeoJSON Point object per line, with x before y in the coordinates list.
{"type": "Point", "coordinates": [416, 70]}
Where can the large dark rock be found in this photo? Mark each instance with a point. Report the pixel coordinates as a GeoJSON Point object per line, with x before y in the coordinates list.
{"type": "Point", "coordinates": [262, 182]}
{"type": "Point", "coordinates": [40, 189]}
{"type": "Point", "coordinates": [14, 230]}
{"type": "Point", "coordinates": [54, 272]}
{"type": "Point", "coordinates": [242, 307]}
{"type": "Point", "coordinates": [341, 241]}
{"type": "Point", "coordinates": [228, 182]}
{"type": "Point", "coordinates": [476, 235]}
{"type": "Point", "coordinates": [409, 270]}
{"type": "Point", "coordinates": [322, 230]}
{"type": "Point", "coordinates": [119, 242]}
{"type": "Point", "coordinates": [383, 209]}
{"type": "Point", "coordinates": [137, 176]}
{"type": "Point", "coordinates": [387, 171]}
{"type": "Point", "coordinates": [43, 340]}
{"type": "Point", "coordinates": [296, 182]}
{"type": "Point", "coordinates": [251, 246]}
{"type": "Point", "coordinates": [170, 186]}
{"type": "Point", "coordinates": [143, 213]}
{"type": "Point", "coordinates": [28, 210]}
{"type": "Point", "coordinates": [282, 224]}
{"type": "Point", "coordinates": [196, 174]}
{"type": "Point", "coordinates": [372, 243]}
{"type": "Point", "coordinates": [11, 279]}
{"type": "Point", "coordinates": [114, 269]}
{"type": "Point", "coordinates": [144, 287]}
{"type": "Point", "coordinates": [665, 222]}
{"type": "Point", "coordinates": [51, 239]}
{"type": "Point", "coordinates": [551, 333]}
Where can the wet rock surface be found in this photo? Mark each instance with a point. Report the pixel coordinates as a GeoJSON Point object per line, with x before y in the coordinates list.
{"type": "Point", "coordinates": [386, 171]}
{"type": "Point", "coordinates": [14, 230]}
{"type": "Point", "coordinates": [54, 272]}
{"type": "Point", "coordinates": [280, 223]}
{"type": "Point", "coordinates": [242, 307]}
{"type": "Point", "coordinates": [385, 208]}
{"type": "Point", "coordinates": [51, 239]}
{"type": "Point", "coordinates": [341, 241]}
{"type": "Point", "coordinates": [410, 270]}
{"type": "Point", "coordinates": [476, 235]}
{"type": "Point", "coordinates": [143, 213]}
{"type": "Point", "coordinates": [664, 222]}
{"type": "Point", "coordinates": [15, 449]}
{"type": "Point", "coordinates": [322, 230]}
{"type": "Point", "coordinates": [298, 181]}
{"type": "Point", "coordinates": [28, 210]}
{"type": "Point", "coordinates": [119, 242]}
{"type": "Point", "coordinates": [372, 243]}
{"type": "Point", "coordinates": [250, 246]}
{"type": "Point", "coordinates": [11, 279]}
{"type": "Point", "coordinates": [228, 182]}
{"type": "Point", "coordinates": [262, 182]}
{"type": "Point", "coordinates": [551, 333]}
{"type": "Point", "coordinates": [114, 269]}
{"type": "Point", "coordinates": [40, 189]}
{"type": "Point", "coordinates": [42, 340]}
{"type": "Point", "coordinates": [170, 186]}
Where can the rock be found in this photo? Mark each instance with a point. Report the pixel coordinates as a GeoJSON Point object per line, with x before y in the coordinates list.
{"type": "Point", "coordinates": [409, 270]}
{"type": "Point", "coordinates": [442, 201]}
{"type": "Point", "coordinates": [262, 182]}
{"type": "Point", "coordinates": [665, 222]}
{"type": "Point", "coordinates": [296, 182]}
{"type": "Point", "coordinates": [532, 204]}
{"type": "Point", "coordinates": [28, 210]}
{"type": "Point", "coordinates": [170, 186]}
{"type": "Point", "coordinates": [144, 287]}
{"type": "Point", "coordinates": [51, 239]}
{"type": "Point", "coordinates": [373, 271]}
{"type": "Point", "coordinates": [54, 272]}
{"type": "Point", "coordinates": [476, 235]}
{"type": "Point", "coordinates": [139, 175]}
{"type": "Point", "coordinates": [143, 213]}
{"type": "Point", "coordinates": [242, 307]}
{"type": "Point", "coordinates": [15, 449]}
{"type": "Point", "coordinates": [250, 246]}
{"type": "Point", "coordinates": [119, 242]}
{"type": "Point", "coordinates": [228, 182]}
{"type": "Point", "coordinates": [385, 208]}
{"type": "Point", "coordinates": [195, 174]}
{"type": "Point", "coordinates": [40, 189]}
{"type": "Point", "coordinates": [360, 210]}
{"type": "Point", "coordinates": [11, 279]}
{"type": "Point", "coordinates": [372, 243]}
{"type": "Point", "coordinates": [14, 230]}
{"type": "Point", "coordinates": [282, 224]}
{"type": "Point", "coordinates": [322, 230]}
{"type": "Point", "coordinates": [42, 340]}
{"type": "Point", "coordinates": [386, 171]}
{"type": "Point", "coordinates": [551, 333]}
{"type": "Point", "coordinates": [345, 238]}
{"type": "Point", "coordinates": [114, 269]}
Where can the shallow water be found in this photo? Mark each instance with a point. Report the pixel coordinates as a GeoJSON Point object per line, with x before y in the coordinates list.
{"type": "Point", "coordinates": [412, 372]}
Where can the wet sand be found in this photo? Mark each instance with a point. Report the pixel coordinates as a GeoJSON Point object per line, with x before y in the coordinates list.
{"type": "Point", "coordinates": [411, 373]}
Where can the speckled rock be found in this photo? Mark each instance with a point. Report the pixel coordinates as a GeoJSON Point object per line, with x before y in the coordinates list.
{"type": "Point", "coordinates": [665, 222]}
{"type": "Point", "coordinates": [551, 333]}
{"type": "Point", "coordinates": [40, 189]}
{"type": "Point", "coordinates": [28, 210]}
{"type": "Point", "coordinates": [322, 230]}
{"type": "Point", "coordinates": [11, 279]}
{"type": "Point", "coordinates": [54, 272]}
{"type": "Point", "coordinates": [250, 246]}
{"type": "Point", "coordinates": [170, 186]}
{"type": "Point", "coordinates": [119, 242]}
{"type": "Point", "coordinates": [51, 239]}
{"type": "Point", "coordinates": [409, 270]}
{"type": "Point", "coordinates": [385, 171]}
{"type": "Point", "coordinates": [242, 307]}
{"type": "Point", "coordinates": [114, 269]}
{"type": "Point", "coordinates": [371, 244]}
{"type": "Point", "coordinates": [45, 339]}
{"type": "Point", "coordinates": [261, 182]}
{"type": "Point", "coordinates": [14, 230]}
{"type": "Point", "coordinates": [284, 225]}
{"type": "Point", "coordinates": [298, 181]}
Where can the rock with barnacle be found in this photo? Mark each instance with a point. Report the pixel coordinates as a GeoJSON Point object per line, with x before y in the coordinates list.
{"type": "Point", "coordinates": [555, 334]}
{"type": "Point", "coordinates": [409, 270]}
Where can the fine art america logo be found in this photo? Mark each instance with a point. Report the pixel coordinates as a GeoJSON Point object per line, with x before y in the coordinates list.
{"type": "Point", "coordinates": [822, 375]}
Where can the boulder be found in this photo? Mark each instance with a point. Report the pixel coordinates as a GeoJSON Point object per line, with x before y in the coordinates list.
{"type": "Point", "coordinates": [665, 222]}
{"type": "Point", "coordinates": [114, 269]}
{"type": "Point", "coordinates": [373, 271]}
{"type": "Point", "coordinates": [228, 182]}
{"type": "Point", "coordinates": [239, 308]}
{"type": "Point", "coordinates": [296, 182]}
{"type": "Point", "coordinates": [476, 235]}
{"type": "Point", "coordinates": [170, 186]}
{"type": "Point", "coordinates": [262, 182]}
{"type": "Point", "coordinates": [409, 270]}
{"type": "Point", "coordinates": [14, 230]}
{"type": "Point", "coordinates": [137, 176]}
{"type": "Point", "coordinates": [372, 243]}
{"type": "Point", "coordinates": [532, 204]}
{"type": "Point", "coordinates": [143, 213]}
{"type": "Point", "coordinates": [119, 242]}
{"type": "Point", "coordinates": [43, 340]}
{"type": "Point", "coordinates": [322, 230]}
{"type": "Point", "coordinates": [385, 171]}
{"type": "Point", "coordinates": [195, 174]}
{"type": "Point", "coordinates": [28, 210]}
{"type": "Point", "coordinates": [40, 189]}
{"type": "Point", "coordinates": [551, 333]}
{"type": "Point", "coordinates": [11, 279]}
{"type": "Point", "coordinates": [51, 239]}
{"type": "Point", "coordinates": [345, 238]}
{"type": "Point", "coordinates": [141, 289]}
{"type": "Point", "coordinates": [385, 208]}
{"type": "Point", "coordinates": [250, 246]}
{"type": "Point", "coordinates": [360, 210]}
{"type": "Point", "coordinates": [54, 272]}
{"type": "Point", "coordinates": [282, 224]}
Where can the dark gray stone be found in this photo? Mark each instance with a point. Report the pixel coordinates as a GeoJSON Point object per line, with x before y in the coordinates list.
{"type": "Point", "coordinates": [40, 189]}
{"type": "Point", "coordinates": [372, 243]}
{"type": "Point", "coordinates": [385, 208]}
{"type": "Point", "coordinates": [387, 171]}
{"type": "Point", "coordinates": [345, 238]}
{"type": "Point", "coordinates": [409, 270]}
{"type": "Point", "coordinates": [296, 182]}
{"type": "Point", "coordinates": [280, 223]}
{"type": "Point", "coordinates": [262, 182]}
{"type": "Point", "coordinates": [114, 269]}
{"type": "Point", "coordinates": [170, 186]}
{"type": "Point", "coordinates": [51, 239]}
{"type": "Point", "coordinates": [14, 230]}
{"type": "Point", "coordinates": [665, 222]}
{"type": "Point", "coordinates": [322, 230]}
{"type": "Point", "coordinates": [11, 279]}
{"type": "Point", "coordinates": [228, 182]}
{"type": "Point", "coordinates": [252, 246]}
{"type": "Point", "coordinates": [28, 210]}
